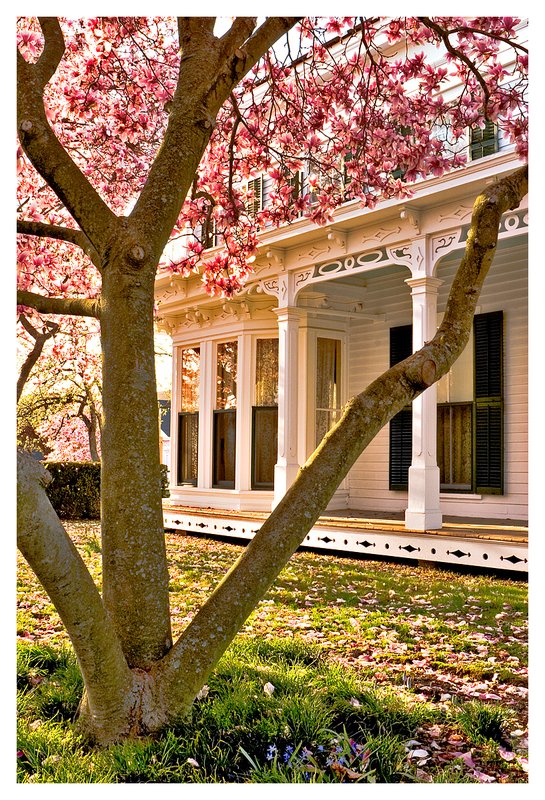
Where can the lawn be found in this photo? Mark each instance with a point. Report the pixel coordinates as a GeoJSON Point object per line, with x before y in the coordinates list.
{"type": "Point", "coordinates": [348, 671]}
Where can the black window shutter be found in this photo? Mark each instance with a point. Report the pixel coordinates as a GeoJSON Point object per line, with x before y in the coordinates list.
{"type": "Point", "coordinates": [401, 426]}
{"type": "Point", "coordinates": [256, 186]}
{"type": "Point", "coordinates": [483, 141]}
{"type": "Point", "coordinates": [488, 421]}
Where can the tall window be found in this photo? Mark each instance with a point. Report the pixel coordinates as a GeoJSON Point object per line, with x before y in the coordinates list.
{"type": "Point", "coordinates": [265, 414]}
{"type": "Point", "coordinates": [328, 385]}
{"type": "Point", "coordinates": [188, 418]}
{"type": "Point", "coordinates": [469, 413]}
{"type": "Point", "coordinates": [225, 416]}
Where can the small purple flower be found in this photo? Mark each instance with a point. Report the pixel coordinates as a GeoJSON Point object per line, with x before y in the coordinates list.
{"type": "Point", "coordinates": [288, 752]}
{"type": "Point", "coordinates": [271, 752]}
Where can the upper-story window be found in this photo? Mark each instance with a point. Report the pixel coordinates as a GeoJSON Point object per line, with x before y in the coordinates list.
{"type": "Point", "coordinates": [255, 188]}
{"type": "Point", "coordinates": [483, 141]}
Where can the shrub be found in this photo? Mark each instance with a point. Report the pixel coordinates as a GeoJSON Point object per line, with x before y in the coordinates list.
{"type": "Point", "coordinates": [74, 491]}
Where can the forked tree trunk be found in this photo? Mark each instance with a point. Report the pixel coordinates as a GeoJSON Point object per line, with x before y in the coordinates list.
{"type": "Point", "coordinates": [137, 684]}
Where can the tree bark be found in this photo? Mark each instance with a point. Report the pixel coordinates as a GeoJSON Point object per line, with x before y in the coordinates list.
{"type": "Point", "coordinates": [135, 570]}
{"type": "Point", "coordinates": [60, 569]}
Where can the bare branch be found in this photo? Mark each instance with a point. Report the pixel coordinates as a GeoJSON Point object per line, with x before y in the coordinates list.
{"type": "Point", "coordinates": [240, 30]}
{"type": "Point", "coordinates": [444, 36]}
{"type": "Point", "coordinates": [39, 342]}
{"type": "Point", "coordinates": [69, 306]}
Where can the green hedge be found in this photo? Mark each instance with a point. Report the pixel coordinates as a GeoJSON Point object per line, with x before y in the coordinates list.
{"type": "Point", "coordinates": [74, 491]}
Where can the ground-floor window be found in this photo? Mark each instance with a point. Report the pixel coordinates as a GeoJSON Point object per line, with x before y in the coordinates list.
{"type": "Point", "coordinates": [454, 446]}
{"type": "Point", "coordinates": [469, 431]}
{"type": "Point", "coordinates": [225, 432]}
{"type": "Point", "coordinates": [225, 417]}
{"type": "Point", "coordinates": [188, 442]}
{"type": "Point", "coordinates": [328, 385]}
{"type": "Point", "coordinates": [264, 446]}
{"type": "Point", "coordinates": [188, 418]}
{"type": "Point", "coordinates": [265, 414]}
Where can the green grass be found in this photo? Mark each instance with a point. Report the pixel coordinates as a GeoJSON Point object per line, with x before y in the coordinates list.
{"type": "Point", "coordinates": [370, 662]}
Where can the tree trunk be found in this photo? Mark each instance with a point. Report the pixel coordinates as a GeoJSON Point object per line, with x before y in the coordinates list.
{"type": "Point", "coordinates": [135, 574]}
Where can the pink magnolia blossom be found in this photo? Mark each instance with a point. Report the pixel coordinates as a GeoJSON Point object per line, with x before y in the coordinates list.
{"type": "Point", "coordinates": [359, 115]}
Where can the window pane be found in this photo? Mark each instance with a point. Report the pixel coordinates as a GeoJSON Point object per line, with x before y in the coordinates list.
{"type": "Point", "coordinates": [264, 446]}
{"type": "Point", "coordinates": [224, 449]}
{"type": "Point", "coordinates": [190, 373]}
{"type": "Point", "coordinates": [226, 394]}
{"type": "Point", "coordinates": [266, 372]}
{"type": "Point", "coordinates": [328, 385]}
{"type": "Point", "coordinates": [454, 451]}
{"type": "Point", "coordinates": [188, 439]}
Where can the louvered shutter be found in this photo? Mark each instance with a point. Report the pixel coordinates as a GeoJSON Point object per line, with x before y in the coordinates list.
{"type": "Point", "coordinates": [255, 186]}
{"type": "Point", "coordinates": [483, 141]}
{"type": "Point", "coordinates": [488, 409]}
{"type": "Point", "coordinates": [401, 426]}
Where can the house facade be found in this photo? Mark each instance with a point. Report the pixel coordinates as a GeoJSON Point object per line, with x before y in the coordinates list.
{"type": "Point", "coordinates": [259, 379]}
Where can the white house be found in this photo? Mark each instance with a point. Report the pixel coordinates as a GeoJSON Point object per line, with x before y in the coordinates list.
{"type": "Point", "coordinates": [258, 380]}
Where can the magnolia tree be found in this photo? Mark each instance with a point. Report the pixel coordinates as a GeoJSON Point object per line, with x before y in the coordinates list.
{"type": "Point", "coordinates": [135, 132]}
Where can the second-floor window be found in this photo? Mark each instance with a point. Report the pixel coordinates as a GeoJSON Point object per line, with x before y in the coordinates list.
{"type": "Point", "coordinates": [483, 141]}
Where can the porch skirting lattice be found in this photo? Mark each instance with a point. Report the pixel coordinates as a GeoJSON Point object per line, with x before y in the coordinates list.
{"type": "Point", "coordinates": [491, 544]}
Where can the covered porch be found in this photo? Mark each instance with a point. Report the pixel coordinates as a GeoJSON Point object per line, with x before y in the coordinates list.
{"type": "Point", "coordinates": [485, 543]}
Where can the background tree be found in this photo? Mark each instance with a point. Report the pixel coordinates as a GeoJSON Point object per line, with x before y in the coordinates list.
{"type": "Point", "coordinates": [59, 389]}
{"type": "Point", "coordinates": [134, 130]}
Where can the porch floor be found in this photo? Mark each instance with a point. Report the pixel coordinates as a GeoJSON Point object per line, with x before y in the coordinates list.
{"type": "Point", "coordinates": [492, 543]}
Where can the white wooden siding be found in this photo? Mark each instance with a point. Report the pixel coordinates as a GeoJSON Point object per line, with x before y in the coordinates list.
{"type": "Point", "coordinates": [505, 288]}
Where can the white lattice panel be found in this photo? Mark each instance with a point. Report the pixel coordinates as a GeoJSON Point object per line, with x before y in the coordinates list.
{"type": "Point", "coordinates": [476, 552]}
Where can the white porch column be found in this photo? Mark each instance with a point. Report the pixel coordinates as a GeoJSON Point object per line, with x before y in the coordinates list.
{"type": "Point", "coordinates": [207, 398]}
{"type": "Point", "coordinates": [243, 467]}
{"type": "Point", "coordinates": [287, 465]}
{"type": "Point", "coordinates": [423, 511]}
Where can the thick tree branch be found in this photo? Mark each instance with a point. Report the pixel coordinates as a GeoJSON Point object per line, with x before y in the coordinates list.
{"type": "Point", "coordinates": [53, 51]}
{"type": "Point", "coordinates": [241, 29]}
{"type": "Point", "coordinates": [265, 36]}
{"type": "Point", "coordinates": [43, 148]}
{"type": "Point", "coordinates": [70, 306]}
{"type": "Point", "coordinates": [363, 417]}
{"type": "Point", "coordinates": [60, 569]}
{"type": "Point", "coordinates": [205, 81]}
{"type": "Point", "coordinates": [43, 229]}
